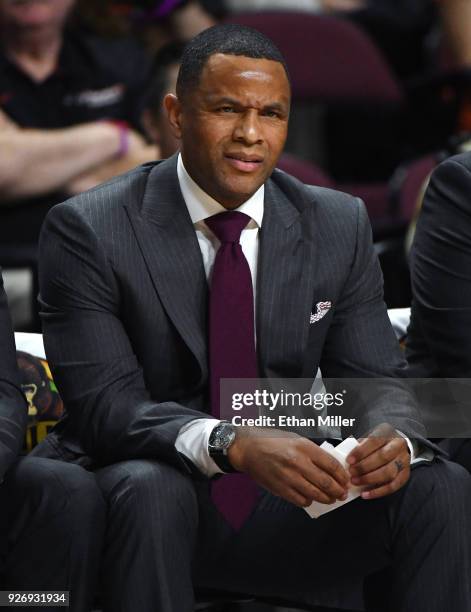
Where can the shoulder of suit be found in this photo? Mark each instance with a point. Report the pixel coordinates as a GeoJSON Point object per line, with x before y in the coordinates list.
{"type": "Point", "coordinates": [447, 197]}
{"type": "Point", "coordinates": [324, 200]}
{"type": "Point", "coordinates": [454, 173]}
{"type": "Point", "coordinates": [462, 161]}
{"type": "Point", "coordinates": [129, 188]}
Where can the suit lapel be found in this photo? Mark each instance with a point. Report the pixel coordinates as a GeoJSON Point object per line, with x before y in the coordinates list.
{"type": "Point", "coordinates": [285, 282]}
{"type": "Point", "coordinates": [285, 279]}
{"type": "Point", "coordinates": [170, 248]}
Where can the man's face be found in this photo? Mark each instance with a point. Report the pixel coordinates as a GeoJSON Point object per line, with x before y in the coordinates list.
{"type": "Point", "coordinates": [233, 126]}
{"type": "Point", "coordinates": [34, 13]}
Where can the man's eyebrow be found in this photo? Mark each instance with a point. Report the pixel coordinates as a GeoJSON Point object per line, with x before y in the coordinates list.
{"type": "Point", "coordinates": [225, 100]}
{"type": "Point", "coordinates": [276, 106]}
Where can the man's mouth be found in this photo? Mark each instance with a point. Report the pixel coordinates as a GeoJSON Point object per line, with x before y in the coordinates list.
{"type": "Point", "coordinates": [244, 163]}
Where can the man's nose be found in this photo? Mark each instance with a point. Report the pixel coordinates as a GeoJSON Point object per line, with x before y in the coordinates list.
{"type": "Point", "coordinates": [248, 128]}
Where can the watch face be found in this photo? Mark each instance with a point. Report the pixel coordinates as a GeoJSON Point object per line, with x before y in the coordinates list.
{"type": "Point", "coordinates": [222, 436]}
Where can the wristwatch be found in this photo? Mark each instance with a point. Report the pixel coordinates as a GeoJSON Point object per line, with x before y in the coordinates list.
{"type": "Point", "coordinates": [220, 440]}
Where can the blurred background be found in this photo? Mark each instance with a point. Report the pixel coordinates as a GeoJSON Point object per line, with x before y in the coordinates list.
{"type": "Point", "coordinates": [381, 94]}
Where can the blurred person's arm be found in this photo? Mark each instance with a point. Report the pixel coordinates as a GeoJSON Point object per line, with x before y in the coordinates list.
{"type": "Point", "coordinates": [331, 6]}
{"type": "Point", "coordinates": [35, 162]}
{"type": "Point", "coordinates": [138, 155]}
{"type": "Point", "coordinates": [456, 19]}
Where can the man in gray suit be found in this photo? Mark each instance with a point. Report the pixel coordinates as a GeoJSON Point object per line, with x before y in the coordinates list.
{"type": "Point", "coordinates": [51, 514]}
{"type": "Point", "coordinates": [124, 291]}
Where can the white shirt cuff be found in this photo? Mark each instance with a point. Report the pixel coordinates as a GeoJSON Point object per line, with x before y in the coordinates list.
{"type": "Point", "coordinates": [416, 453]}
{"type": "Point", "coordinates": [192, 441]}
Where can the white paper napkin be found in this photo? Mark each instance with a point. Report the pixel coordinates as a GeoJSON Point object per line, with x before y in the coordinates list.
{"type": "Point", "coordinates": [340, 452]}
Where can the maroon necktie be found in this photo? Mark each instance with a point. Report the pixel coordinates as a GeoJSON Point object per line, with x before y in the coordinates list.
{"type": "Point", "coordinates": [231, 347]}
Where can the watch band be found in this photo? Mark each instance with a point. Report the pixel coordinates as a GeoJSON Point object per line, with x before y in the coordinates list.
{"type": "Point", "coordinates": [220, 440]}
{"type": "Point", "coordinates": [222, 461]}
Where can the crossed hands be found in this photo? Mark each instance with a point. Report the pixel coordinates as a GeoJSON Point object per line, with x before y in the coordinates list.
{"type": "Point", "coordinates": [299, 471]}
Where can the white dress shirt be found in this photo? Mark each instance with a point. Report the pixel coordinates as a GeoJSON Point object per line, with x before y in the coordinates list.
{"type": "Point", "coordinates": [192, 440]}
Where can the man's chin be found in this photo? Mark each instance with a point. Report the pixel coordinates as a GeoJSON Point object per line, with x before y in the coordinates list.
{"type": "Point", "coordinates": [240, 191]}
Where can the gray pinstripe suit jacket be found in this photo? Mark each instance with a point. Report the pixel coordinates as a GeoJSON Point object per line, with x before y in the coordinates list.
{"type": "Point", "coordinates": [123, 294]}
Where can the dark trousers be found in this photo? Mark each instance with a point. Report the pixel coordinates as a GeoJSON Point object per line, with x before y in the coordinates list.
{"type": "Point", "coordinates": [459, 450]}
{"type": "Point", "coordinates": [165, 537]}
{"type": "Point", "coordinates": [52, 524]}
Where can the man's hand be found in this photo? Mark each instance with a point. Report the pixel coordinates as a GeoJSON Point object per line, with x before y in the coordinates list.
{"type": "Point", "coordinates": [289, 466]}
{"type": "Point", "coordinates": [381, 462]}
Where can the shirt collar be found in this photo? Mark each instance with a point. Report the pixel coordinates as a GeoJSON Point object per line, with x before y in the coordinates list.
{"type": "Point", "coordinates": [201, 205]}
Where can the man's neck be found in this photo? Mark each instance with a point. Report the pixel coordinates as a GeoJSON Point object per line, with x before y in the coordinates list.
{"type": "Point", "coordinates": [35, 52]}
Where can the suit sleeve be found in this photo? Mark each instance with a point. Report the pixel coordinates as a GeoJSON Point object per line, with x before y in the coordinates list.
{"type": "Point", "coordinates": [440, 337]}
{"type": "Point", "coordinates": [361, 344]}
{"type": "Point", "coordinates": [92, 359]}
{"type": "Point", "coordinates": [13, 411]}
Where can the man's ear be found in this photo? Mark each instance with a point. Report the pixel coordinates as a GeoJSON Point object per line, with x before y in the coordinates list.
{"type": "Point", "coordinates": [173, 108]}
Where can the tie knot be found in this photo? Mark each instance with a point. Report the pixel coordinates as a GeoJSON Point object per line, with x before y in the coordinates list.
{"type": "Point", "coordinates": [227, 226]}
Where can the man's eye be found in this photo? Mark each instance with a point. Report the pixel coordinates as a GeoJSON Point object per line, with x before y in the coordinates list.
{"type": "Point", "coordinates": [272, 114]}
{"type": "Point", "coordinates": [227, 109]}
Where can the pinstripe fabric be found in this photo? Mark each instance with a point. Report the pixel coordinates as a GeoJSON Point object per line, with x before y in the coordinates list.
{"type": "Point", "coordinates": [438, 572]}
{"type": "Point", "coordinates": [127, 374]}
{"type": "Point", "coordinates": [51, 513]}
{"type": "Point", "coordinates": [150, 542]}
{"type": "Point", "coordinates": [124, 299]}
{"type": "Point", "coordinates": [52, 524]}
{"type": "Point", "coordinates": [170, 248]}
{"type": "Point", "coordinates": [123, 296]}
{"type": "Point", "coordinates": [316, 246]}
{"type": "Point", "coordinates": [421, 536]}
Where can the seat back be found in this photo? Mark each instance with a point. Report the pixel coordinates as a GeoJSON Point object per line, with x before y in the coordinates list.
{"type": "Point", "coordinates": [348, 106]}
{"type": "Point", "coordinates": [408, 184]}
{"type": "Point", "coordinates": [307, 172]}
{"type": "Point", "coordinates": [328, 58]}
